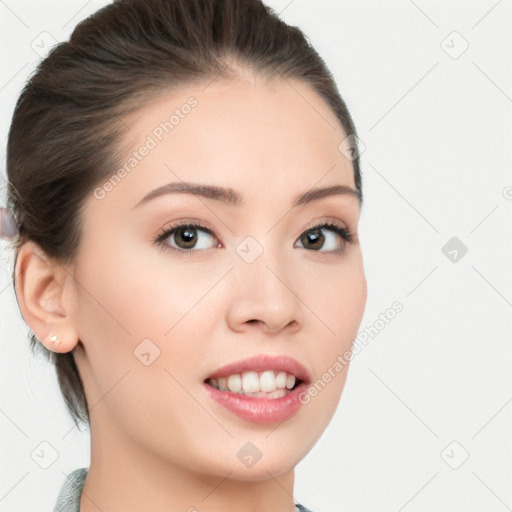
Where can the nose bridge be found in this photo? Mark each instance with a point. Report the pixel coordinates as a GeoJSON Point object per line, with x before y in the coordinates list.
{"type": "Point", "coordinates": [264, 290]}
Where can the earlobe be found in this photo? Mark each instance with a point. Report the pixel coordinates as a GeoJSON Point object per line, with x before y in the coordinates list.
{"type": "Point", "coordinates": [42, 290]}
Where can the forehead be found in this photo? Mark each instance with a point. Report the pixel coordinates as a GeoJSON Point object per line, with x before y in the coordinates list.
{"type": "Point", "coordinates": [279, 135]}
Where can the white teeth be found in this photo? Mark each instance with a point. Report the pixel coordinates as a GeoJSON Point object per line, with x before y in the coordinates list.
{"type": "Point", "coordinates": [278, 393]}
{"type": "Point", "coordinates": [290, 381]}
{"type": "Point", "coordinates": [250, 382]}
{"type": "Point", "coordinates": [265, 384]}
{"type": "Point", "coordinates": [268, 381]}
{"type": "Point", "coordinates": [281, 380]}
{"type": "Point", "coordinates": [234, 383]}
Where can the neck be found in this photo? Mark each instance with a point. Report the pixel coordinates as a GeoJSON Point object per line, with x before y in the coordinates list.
{"type": "Point", "coordinates": [123, 475]}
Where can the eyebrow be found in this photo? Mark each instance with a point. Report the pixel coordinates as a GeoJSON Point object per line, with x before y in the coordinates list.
{"type": "Point", "coordinates": [231, 197]}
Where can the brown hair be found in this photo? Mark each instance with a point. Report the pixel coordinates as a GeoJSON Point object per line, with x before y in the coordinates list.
{"type": "Point", "coordinates": [66, 131]}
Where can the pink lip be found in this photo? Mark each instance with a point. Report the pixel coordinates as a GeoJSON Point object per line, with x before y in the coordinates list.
{"type": "Point", "coordinates": [265, 362]}
{"type": "Point", "coordinates": [256, 409]}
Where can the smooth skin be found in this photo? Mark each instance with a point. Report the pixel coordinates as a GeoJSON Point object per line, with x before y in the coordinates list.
{"type": "Point", "coordinates": [158, 442]}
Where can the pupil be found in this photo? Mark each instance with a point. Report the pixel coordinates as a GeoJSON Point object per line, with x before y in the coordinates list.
{"type": "Point", "coordinates": [314, 236]}
{"type": "Point", "coordinates": [187, 234]}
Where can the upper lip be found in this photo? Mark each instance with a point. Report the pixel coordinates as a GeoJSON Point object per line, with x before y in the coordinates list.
{"type": "Point", "coordinates": [264, 362]}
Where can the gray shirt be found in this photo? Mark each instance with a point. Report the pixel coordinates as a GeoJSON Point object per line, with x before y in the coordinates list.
{"type": "Point", "coordinates": [71, 491]}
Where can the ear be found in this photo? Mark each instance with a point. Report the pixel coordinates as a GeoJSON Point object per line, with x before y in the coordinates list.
{"type": "Point", "coordinates": [44, 290]}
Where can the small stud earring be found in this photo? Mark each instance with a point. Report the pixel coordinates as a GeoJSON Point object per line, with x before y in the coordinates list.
{"type": "Point", "coordinates": [54, 339]}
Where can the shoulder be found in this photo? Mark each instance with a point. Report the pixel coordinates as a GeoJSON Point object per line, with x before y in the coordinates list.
{"type": "Point", "coordinates": [301, 508]}
{"type": "Point", "coordinates": [70, 492]}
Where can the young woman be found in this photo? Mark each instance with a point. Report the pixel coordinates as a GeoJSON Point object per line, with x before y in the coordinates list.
{"type": "Point", "coordinates": [184, 197]}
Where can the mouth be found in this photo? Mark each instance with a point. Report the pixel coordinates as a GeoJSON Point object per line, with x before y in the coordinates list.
{"type": "Point", "coordinates": [265, 384]}
{"type": "Point", "coordinates": [261, 389]}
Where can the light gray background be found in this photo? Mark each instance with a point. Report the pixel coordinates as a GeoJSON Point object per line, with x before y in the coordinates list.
{"type": "Point", "coordinates": [434, 384]}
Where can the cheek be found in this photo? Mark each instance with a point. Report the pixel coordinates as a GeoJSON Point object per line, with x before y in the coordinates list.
{"type": "Point", "coordinates": [339, 301]}
{"type": "Point", "coordinates": [129, 307]}
{"type": "Point", "coordinates": [126, 311]}
{"type": "Point", "coordinates": [127, 295]}
{"type": "Point", "coordinates": [336, 297]}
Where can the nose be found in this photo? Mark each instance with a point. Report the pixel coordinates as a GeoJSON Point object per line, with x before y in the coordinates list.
{"type": "Point", "coordinates": [264, 297]}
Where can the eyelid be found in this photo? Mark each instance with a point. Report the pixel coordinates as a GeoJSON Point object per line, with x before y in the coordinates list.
{"type": "Point", "coordinates": [171, 226]}
{"type": "Point", "coordinates": [326, 219]}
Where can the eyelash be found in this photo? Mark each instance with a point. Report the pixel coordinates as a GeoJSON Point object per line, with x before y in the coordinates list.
{"type": "Point", "coordinates": [345, 234]}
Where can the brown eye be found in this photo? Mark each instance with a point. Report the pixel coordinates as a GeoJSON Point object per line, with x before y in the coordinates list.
{"type": "Point", "coordinates": [184, 237]}
{"type": "Point", "coordinates": [315, 239]}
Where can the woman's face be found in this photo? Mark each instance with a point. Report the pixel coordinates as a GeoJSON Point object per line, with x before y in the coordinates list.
{"type": "Point", "coordinates": [156, 321]}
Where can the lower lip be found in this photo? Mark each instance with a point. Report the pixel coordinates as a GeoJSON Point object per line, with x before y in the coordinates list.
{"type": "Point", "coordinates": [258, 410]}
